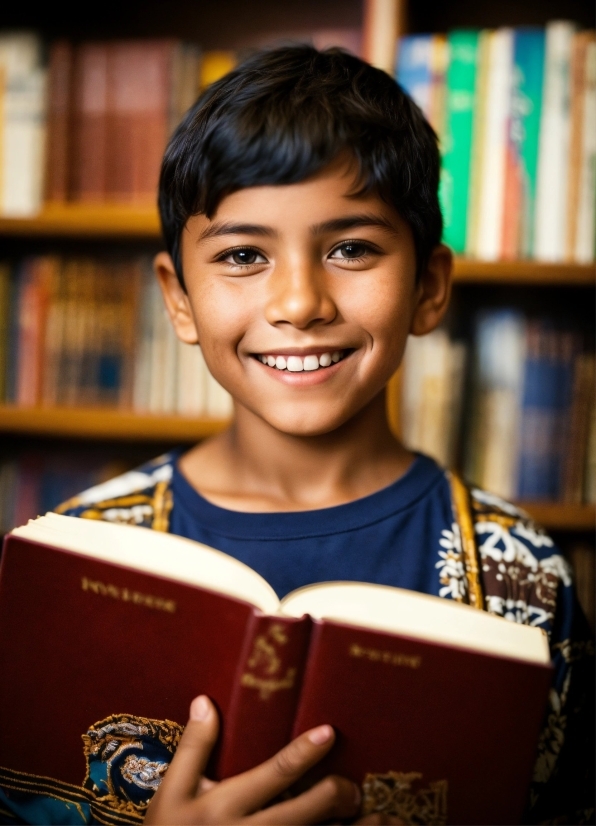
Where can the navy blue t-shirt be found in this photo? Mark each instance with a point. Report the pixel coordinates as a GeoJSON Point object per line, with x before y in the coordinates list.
{"type": "Point", "coordinates": [391, 537]}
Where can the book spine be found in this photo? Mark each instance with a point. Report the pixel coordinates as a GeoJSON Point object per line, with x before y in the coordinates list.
{"type": "Point", "coordinates": [59, 97]}
{"type": "Point", "coordinates": [493, 149]}
{"type": "Point", "coordinates": [524, 131]}
{"type": "Point", "coordinates": [585, 236]}
{"type": "Point", "coordinates": [23, 143]}
{"type": "Point", "coordinates": [267, 686]}
{"type": "Point", "coordinates": [477, 143]}
{"type": "Point", "coordinates": [574, 455]}
{"type": "Point", "coordinates": [455, 176]}
{"type": "Point", "coordinates": [413, 72]}
{"type": "Point", "coordinates": [553, 159]}
{"type": "Point", "coordinates": [89, 159]}
{"type": "Point", "coordinates": [438, 67]}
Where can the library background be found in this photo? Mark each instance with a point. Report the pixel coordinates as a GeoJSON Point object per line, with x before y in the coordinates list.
{"type": "Point", "coordinates": [92, 380]}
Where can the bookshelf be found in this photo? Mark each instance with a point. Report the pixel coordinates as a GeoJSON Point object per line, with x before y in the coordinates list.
{"type": "Point", "coordinates": [235, 24]}
{"type": "Point", "coordinates": [118, 221]}
{"type": "Point", "coordinates": [100, 424]}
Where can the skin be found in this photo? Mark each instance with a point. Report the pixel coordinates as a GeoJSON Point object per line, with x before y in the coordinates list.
{"type": "Point", "coordinates": [308, 268]}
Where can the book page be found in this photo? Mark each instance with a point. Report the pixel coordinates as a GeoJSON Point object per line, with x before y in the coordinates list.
{"type": "Point", "coordinates": [397, 611]}
{"type": "Point", "coordinates": [153, 552]}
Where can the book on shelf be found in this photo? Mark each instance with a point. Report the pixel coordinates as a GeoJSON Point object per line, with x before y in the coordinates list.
{"type": "Point", "coordinates": [380, 664]}
{"type": "Point", "coordinates": [94, 332]}
{"type": "Point", "coordinates": [516, 135]}
{"type": "Point", "coordinates": [524, 430]}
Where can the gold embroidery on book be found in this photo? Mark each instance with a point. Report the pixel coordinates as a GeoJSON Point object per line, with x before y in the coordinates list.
{"type": "Point", "coordinates": [401, 794]}
{"type": "Point", "coordinates": [267, 687]}
{"type": "Point", "coordinates": [389, 657]}
{"type": "Point", "coordinates": [264, 663]}
{"type": "Point", "coordinates": [126, 595]}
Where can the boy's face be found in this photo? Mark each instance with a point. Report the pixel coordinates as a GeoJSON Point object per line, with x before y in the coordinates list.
{"type": "Point", "coordinates": [302, 298]}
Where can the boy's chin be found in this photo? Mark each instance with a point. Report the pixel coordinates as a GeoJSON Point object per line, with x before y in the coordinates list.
{"type": "Point", "coordinates": [305, 425]}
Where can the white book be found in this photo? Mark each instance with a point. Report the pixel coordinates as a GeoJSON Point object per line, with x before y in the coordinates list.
{"type": "Point", "coordinates": [585, 236]}
{"type": "Point", "coordinates": [144, 343]}
{"type": "Point", "coordinates": [501, 348]}
{"type": "Point", "coordinates": [23, 143]}
{"type": "Point", "coordinates": [20, 53]}
{"type": "Point", "coordinates": [431, 395]}
{"type": "Point", "coordinates": [494, 145]}
{"type": "Point", "coordinates": [550, 229]}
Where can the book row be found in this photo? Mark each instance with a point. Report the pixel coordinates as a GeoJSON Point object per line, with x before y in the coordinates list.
{"type": "Point", "coordinates": [88, 332]}
{"type": "Point", "coordinates": [527, 428]}
{"type": "Point", "coordinates": [88, 123]}
{"type": "Point", "coordinates": [515, 112]}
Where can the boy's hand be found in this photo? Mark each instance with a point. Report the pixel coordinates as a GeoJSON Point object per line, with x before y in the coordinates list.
{"type": "Point", "coordinates": [186, 797]}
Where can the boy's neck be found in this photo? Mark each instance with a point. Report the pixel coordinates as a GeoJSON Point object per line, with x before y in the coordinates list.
{"type": "Point", "coordinates": [254, 467]}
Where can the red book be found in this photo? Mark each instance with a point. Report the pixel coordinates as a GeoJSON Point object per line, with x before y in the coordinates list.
{"type": "Point", "coordinates": [89, 161]}
{"type": "Point", "coordinates": [58, 121]}
{"type": "Point", "coordinates": [104, 625]}
{"type": "Point", "coordinates": [139, 86]}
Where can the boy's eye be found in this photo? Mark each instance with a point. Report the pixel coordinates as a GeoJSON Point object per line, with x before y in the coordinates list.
{"type": "Point", "coordinates": [242, 256]}
{"type": "Point", "coordinates": [350, 250]}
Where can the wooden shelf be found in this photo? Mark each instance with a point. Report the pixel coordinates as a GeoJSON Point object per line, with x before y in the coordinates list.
{"type": "Point", "coordinates": [87, 221]}
{"type": "Point", "coordinates": [105, 423]}
{"type": "Point", "coordinates": [129, 221]}
{"type": "Point", "coordinates": [537, 273]}
{"type": "Point", "coordinates": [559, 516]}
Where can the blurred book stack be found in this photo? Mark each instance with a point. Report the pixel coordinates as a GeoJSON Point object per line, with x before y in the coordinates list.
{"type": "Point", "coordinates": [515, 112]}
{"type": "Point", "coordinates": [89, 123]}
{"type": "Point", "coordinates": [528, 430]}
{"type": "Point", "coordinates": [93, 332]}
{"type": "Point", "coordinates": [33, 483]}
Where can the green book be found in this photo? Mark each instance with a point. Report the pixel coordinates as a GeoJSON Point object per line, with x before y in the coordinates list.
{"type": "Point", "coordinates": [454, 189]}
{"type": "Point", "coordinates": [525, 121]}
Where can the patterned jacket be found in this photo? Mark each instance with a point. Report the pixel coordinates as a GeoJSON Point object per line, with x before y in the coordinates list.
{"type": "Point", "coordinates": [493, 556]}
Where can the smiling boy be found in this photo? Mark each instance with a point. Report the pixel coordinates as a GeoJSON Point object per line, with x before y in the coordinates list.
{"type": "Point", "coordinates": [299, 206]}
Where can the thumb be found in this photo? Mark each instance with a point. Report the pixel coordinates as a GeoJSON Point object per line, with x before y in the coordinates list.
{"type": "Point", "coordinates": [194, 748]}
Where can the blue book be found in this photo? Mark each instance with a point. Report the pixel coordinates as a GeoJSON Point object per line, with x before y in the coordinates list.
{"type": "Point", "coordinates": [413, 68]}
{"type": "Point", "coordinates": [546, 402]}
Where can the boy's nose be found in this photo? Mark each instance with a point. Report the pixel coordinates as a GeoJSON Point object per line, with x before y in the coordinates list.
{"type": "Point", "coordinates": [299, 296]}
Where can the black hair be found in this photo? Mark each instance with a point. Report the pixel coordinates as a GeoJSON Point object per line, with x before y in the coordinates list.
{"type": "Point", "coordinates": [282, 115]}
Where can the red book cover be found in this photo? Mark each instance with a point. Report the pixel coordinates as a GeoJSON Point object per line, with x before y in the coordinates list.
{"type": "Point", "coordinates": [435, 734]}
{"type": "Point", "coordinates": [58, 121]}
{"type": "Point", "coordinates": [88, 170]}
{"type": "Point", "coordinates": [95, 654]}
{"type": "Point", "coordinates": [138, 117]}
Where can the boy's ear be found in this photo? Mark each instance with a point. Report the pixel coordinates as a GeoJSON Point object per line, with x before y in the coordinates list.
{"type": "Point", "coordinates": [175, 299]}
{"type": "Point", "coordinates": [434, 292]}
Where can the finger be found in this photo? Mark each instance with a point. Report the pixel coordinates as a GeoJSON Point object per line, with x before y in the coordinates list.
{"type": "Point", "coordinates": [251, 790]}
{"type": "Point", "coordinates": [333, 797]}
{"type": "Point", "coordinates": [192, 754]}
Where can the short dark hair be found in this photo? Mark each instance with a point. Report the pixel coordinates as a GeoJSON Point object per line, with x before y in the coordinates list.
{"type": "Point", "coordinates": [282, 115]}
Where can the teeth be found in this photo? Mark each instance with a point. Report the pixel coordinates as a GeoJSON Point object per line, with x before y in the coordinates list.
{"type": "Point", "coordinates": [296, 364]}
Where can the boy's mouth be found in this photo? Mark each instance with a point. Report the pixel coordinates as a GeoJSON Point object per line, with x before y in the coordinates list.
{"type": "Point", "coordinates": [299, 364]}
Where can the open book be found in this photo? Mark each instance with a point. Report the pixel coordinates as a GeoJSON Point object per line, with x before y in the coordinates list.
{"type": "Point", "coordinates": [437, 705]}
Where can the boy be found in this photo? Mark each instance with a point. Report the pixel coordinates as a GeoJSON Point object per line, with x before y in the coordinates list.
{"type": "Point", "coordinates": [299, 206]}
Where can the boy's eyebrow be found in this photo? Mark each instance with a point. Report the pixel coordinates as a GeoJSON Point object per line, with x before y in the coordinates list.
{"type": "Point", "coordinates": [365, 219]}
{"type": "Point", "coordinates": [218, 228]}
